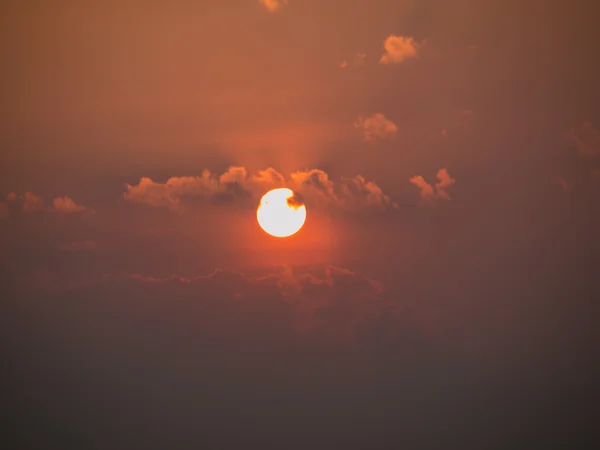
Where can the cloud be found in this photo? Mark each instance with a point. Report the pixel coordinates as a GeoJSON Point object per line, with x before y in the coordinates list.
{"type": "Point", "coordinates": [13, 204]}
{"type": "Point", "coordinates": [273, 5]}
{"type": "Point", "coordinates": [351, 194]}
{"type": "Point", "coordinates": [338, 306]}
{"type": "Point", "coordinates": [176, 191]}
{"type": "Point", "coordinates": [334, 279]}
{"type": "Point", "coordinates": [358, 193]}
{"type": "Point", "coordinates": [431, 194]}
{"type": "Point", "coordinates": [66, 205]}
{"type": "Point", "coordinates": [314, 185]}
{"type": "Point", "coordinates": [398, 49]}
{"type": "Point", "coordinates": [376, 127]}
{"type": "Point", "coordinates": [235, 175]}
{"type": "Point", "coordinates": [30, 202]}
{"type": "Point", "coordinates": [268, 177]}
{"type": "Point", "coordinates": [331, 304]}
{"type": "Point", "coordinates": [81, 246]}
{"type": "Point", "coordinates": [170, 193]}
{"type": "Point", "coordinates": [357, 61]}
{"type": "Point", "coordinates": [587, 139]}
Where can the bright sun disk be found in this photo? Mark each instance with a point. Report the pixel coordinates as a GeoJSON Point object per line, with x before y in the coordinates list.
{"type": "Point", "coordinates": [279, 215]}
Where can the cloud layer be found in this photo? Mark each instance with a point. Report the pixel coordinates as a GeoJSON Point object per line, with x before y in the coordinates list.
{"type": "Point", "coordinates": [315, 187]}
{"type": "Point", "coordinates": [331, 305]}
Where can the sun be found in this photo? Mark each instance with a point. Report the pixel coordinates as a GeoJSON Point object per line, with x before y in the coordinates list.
{"type": "Point", "coordinates": [280, 213]}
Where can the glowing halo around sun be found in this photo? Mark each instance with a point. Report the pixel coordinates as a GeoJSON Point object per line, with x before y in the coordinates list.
{"type": "Point", "coordinates": [279, 215]}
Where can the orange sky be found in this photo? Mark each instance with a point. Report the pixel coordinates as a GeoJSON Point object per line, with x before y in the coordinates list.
{"type": "Point", "coordinates": [449, 156]}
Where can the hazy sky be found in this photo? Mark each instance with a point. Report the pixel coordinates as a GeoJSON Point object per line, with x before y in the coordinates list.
{"type": "Point", "coordinates": [443, 292]}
